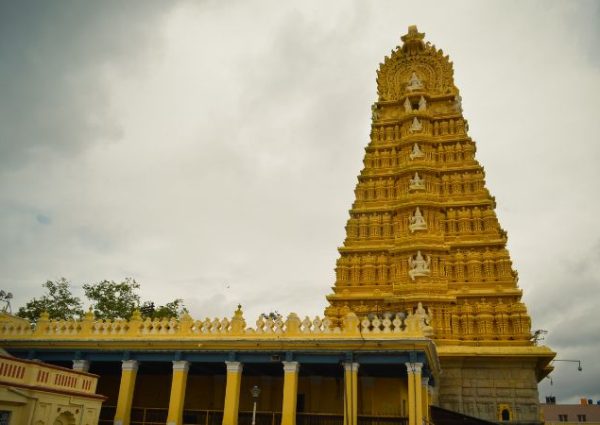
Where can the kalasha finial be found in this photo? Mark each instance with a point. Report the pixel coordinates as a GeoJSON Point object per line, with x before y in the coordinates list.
{"type": "Point", "coordinates": [413, 39]}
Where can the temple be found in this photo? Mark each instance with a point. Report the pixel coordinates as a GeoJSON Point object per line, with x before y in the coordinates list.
{"type": "Point", "coordinates": [425, 317]}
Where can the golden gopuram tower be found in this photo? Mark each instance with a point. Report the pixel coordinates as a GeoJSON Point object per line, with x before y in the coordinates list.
{"type": "Point", "coordinates": [423, 234]}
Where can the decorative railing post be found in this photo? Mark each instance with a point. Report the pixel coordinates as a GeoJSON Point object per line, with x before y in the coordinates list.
{"type": "Point", "coordinates": [135, 323]}
{"type": "Point", "coordinates": [292, 325]}
{"type": "Point", "coordinates": [351, 324]}
{"type": "Point", "coordinates": [42, 324]}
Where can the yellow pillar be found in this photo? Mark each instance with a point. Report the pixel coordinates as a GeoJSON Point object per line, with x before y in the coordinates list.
{"type": "Point", "coordinates": [232, 393]}
{"type": "Point", "coordinates": [128, 374]}
{"type": "Point", "coordinates": [425, 404]}
{"type": "Point", "coordinates": [178, 385]}
{"type": "Point", "coordinates": [350, 393]}
{"type": "Point", "coordinates": [418, 394]}
{"type": "Point", "coordinates": [415, 399]}
{"type": "Point", "coordinates": [410, 374]}
{"type": "Point", "coordinates": [290, 392]}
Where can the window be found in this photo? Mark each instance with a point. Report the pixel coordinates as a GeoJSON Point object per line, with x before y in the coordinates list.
{"type": "Point", "coordinates": [563, 418]}
{"type": "Point", "coordinates": [581, 418]}
{"type": "Point", "coordinates": [4, 417]}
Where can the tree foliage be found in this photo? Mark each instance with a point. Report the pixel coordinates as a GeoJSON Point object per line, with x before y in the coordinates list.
{"type": "Point", "coordinates": [112, 300]}
{"type": "Point", "coordinates": [109, 300]}
{"type": "Point", "coordinates": [172, 309]}
{"type": "Point", "coordinates": [58, 301]}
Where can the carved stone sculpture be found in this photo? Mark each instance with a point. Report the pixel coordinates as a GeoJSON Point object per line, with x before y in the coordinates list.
{"type": "Point", "coordinates": [417, 221]}
{"type": "Point", "coordinates": [414, 83]}
{"type": "Point", "coordinates": [416, 152]}
{"type": "Point", "coordinates": [418, 266]}
{"type": "Point", "coordinates": [416, 183]}
{"type": "Point", "coordinates": [407, 106]}
{"type": "Point", "coordinates": [416, 126]}
{"type": "Point", "coordinates": [374, 112]}
{"type": "Point", "coordinates": [422, 104]}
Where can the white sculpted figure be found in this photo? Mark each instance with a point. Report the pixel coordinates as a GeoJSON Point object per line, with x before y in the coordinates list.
{"type": "Point", "coordinates": [407, 106]}
{"type": "Point", "coordinates": [416, 183]}
{"type": "Point", "coordinates": [416, 152]}
{"type": "Point", "coordinates": [418, 266]}
{"type": "Point", "coordinates": [416, 126]}
{"type": "Point", "coordinates": [421, 314]}
{"type": "Point", "coordinates": [422, 104]}
{"type": "Point", "coordinates": [417, 221]}
{"type": "Point", "coordinates": [414, 83]}
{"type": "Point", "coordinates": [374, 112]}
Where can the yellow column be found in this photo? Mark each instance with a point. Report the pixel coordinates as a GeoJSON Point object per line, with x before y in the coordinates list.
{"type": "Point", "coordinates": [128, 374]}
{"type": "Point", "coordinates": [418, 393]}
{"type": "Point", "coordinates": [410, 374]}
{"type": "Point", "coordinates": [350, 393]}
{"type": "Point", "coordinates": [290, 392]}
{"type": "Point", "coordinates": [178, 385]}
{"type": "Point", "coordinates": [425, 404]}
{"type": "Point", "coordinates": [415, 399]}
{"type": "Point", "coordinates": [232, 393]}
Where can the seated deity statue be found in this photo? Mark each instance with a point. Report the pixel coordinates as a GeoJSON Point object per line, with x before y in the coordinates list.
{"type": "Point", "coordinates": [414, 83]}
{"type": "Point", "coordinates": [418, 266]}
{"type": "Point", "coordinates": [416, 152]}
{"type": "Point", "coordinates": [407, 106]}
{"type": "Point", "coordinates": [416, 126]}
{"type": "Point", "coordinates": [422, 104]}
{"type": "Point", "coordinates": [417, 221]}
{"type": "Point", "coordinates": [416, 183]}
{"type": "Point", "coordinates": [423, 317]}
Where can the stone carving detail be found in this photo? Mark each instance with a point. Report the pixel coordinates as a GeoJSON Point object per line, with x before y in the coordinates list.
{"type": "Point", "coordinates": [417, 221]}
{"type": "Point", "coordinates": [422, 104]}
{"type": "Point", "coordinates": [415, 126]}
{"type": "Point", "coordinates": [374, 112]}
{"type": "Point", "coordinates": [416, 183]}
{"type": "Point", "coordinates": [414, 83]}
{"type": "Point", "coordinates": [416, 152]}
{"type": "Point", "coordinates": [419, 266]}
{"type": "Point", "coordinates": [407, 106]}
{"type": "Point", "coordinates": [410, 322]}
{"type": "Point", "coordinates": [419, 59]}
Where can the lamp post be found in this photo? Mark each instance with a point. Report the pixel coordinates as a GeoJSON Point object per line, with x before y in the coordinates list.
{"type": "Point", "coordinates": [255, 391]}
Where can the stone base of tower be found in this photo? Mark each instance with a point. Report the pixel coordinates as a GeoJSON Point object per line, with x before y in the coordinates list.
{"type": "Point", "coordinates": [496, 384]}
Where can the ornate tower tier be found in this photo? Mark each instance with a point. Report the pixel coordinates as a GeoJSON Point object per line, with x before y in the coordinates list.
{"type": "Point", "coordinates": [423, 226]}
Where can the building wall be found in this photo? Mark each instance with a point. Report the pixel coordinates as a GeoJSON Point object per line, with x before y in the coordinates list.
{"type": "Point", "coordinates": [41, 408]}
{"type": "Point", "coordinates": [481, 387]}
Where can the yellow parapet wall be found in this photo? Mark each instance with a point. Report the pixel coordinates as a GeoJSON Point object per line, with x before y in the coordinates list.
{"type": "Point", "coordinates": [414, 325]}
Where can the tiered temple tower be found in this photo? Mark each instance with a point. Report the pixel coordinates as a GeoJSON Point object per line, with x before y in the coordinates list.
{"type": "Point", "coordinates": [423, 229]}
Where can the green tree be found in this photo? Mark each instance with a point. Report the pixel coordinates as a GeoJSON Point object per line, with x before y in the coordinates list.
{"type": "Point", "coordinates": [58, 301]}
{"type": "Point", "coordinates": [112, 300]}
{"type": "Point", "coordinates": [173, 309]}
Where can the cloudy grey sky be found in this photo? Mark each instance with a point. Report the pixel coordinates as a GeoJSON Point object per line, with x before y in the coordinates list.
{"type": "Point", "coordinates": [210, 149]}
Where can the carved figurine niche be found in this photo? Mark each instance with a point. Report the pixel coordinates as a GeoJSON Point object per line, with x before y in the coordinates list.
{"type": "Point", "coordinates": [417, 221]}
{"type": "Point", "coordinates": [407, 106]}
{"type": "Point", "coordinates": [416, 183]}
{"type": "Point", "coordinates": [416, 152]}
{"type": "Point", "coordinates": [419, 266]}
{"type": "Point", "coordinates": [414, 83]}
{"type": "Point", "coordinates": [416, 126]}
